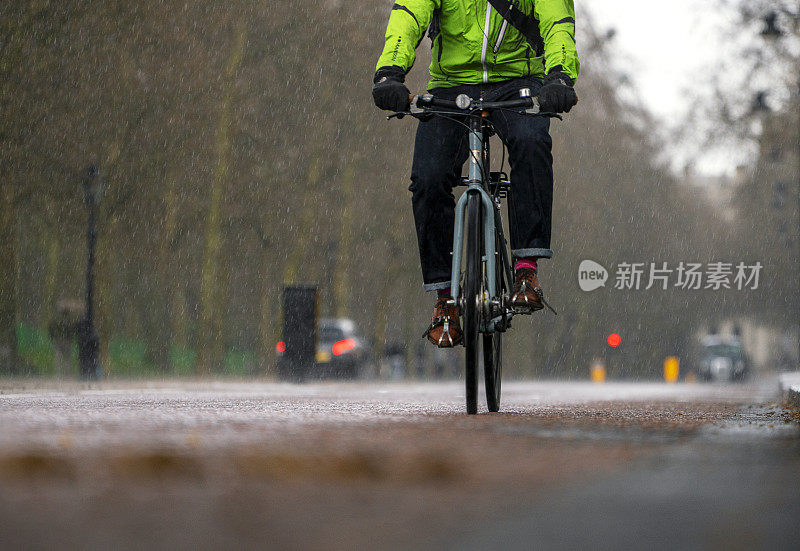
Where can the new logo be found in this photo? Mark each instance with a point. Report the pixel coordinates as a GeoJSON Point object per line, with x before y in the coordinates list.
{"type": "Point", "coordinates": [591, 275]}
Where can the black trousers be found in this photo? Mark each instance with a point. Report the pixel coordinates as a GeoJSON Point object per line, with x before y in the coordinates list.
{"type": "Point", "coordinates": [440, 151]}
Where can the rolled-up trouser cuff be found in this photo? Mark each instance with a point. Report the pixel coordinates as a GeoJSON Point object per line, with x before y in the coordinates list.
{"type": "Point", "coordinates": [436, 286]}
{"type": "Point", "coordinates": [525, 253]}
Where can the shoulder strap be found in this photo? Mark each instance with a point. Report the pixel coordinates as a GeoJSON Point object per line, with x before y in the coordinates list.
{"type": "Point", "coordinates": [523, 22]}
{"type": "Point", "coordinates": [433, 28]}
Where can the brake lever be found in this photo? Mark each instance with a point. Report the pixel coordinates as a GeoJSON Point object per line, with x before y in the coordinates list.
{"type": "Point", "coordinates": [545, 115]}
{"type": "Point", "coordinates": [552, 116]}
{"type": "Point", "coordinates": [416, 112]}
{"type": "Point", "coordinates": [535, 111]}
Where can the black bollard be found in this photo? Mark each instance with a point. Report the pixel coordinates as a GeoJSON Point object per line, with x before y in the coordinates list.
{"type": "Point", "coordinates": [299, 333]}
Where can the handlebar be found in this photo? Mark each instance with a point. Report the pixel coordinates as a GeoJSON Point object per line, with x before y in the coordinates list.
{"type": "Point", "coordinates": [421, 106]}
{"type": "Point", "coordinates": [466, 103]}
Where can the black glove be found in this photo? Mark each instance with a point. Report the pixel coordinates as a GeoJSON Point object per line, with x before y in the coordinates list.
{"type": "Point", "coordinates": [389, 92]}
{"type": "Point", "coordinates": [557, 95]}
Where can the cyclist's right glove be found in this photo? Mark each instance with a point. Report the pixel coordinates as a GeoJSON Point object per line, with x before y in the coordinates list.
{"type": "Point", "coordinates": [388, 91]}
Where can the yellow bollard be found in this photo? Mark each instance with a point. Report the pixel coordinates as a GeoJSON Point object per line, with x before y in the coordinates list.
{"type": "Point", "coordinates": [671, 369]}
{"type": "Point", "coordinates": [598, 371]}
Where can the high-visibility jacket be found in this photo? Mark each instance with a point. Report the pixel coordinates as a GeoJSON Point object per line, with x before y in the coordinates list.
{"type": "Point", "coordinates": [472, 43]}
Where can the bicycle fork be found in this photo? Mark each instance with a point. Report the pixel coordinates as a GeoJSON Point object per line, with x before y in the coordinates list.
{"type": "Point", "coordinates": [476, 172]}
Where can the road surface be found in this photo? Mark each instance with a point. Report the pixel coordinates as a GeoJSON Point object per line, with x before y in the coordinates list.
{"type": "Point", "coordinates": [216, 465]}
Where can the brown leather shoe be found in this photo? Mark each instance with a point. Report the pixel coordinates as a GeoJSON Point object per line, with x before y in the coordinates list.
{"type": "Point", "coordinates": [444, 331]}
{"type": "Point", "coordinates": [527, 291]}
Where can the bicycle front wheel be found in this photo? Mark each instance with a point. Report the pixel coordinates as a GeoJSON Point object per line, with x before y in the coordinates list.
{"type": "Point", "coordinates": [472, 288]}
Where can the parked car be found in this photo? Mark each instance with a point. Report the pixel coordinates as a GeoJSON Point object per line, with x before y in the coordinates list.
{"type": "Point", "coordinates": [341, 351]}
{"type": "Point", "coordinates": [723, 359]}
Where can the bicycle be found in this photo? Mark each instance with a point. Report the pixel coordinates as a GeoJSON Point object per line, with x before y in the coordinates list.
{"type": "Point", "coordinates": [482, 290]}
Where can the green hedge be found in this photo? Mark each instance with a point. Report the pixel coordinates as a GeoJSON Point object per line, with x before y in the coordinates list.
{"type": "Point", "coordinates": [128, 357]}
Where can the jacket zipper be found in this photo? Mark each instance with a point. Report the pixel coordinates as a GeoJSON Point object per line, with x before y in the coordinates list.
{"type": "Point", "coordinates": [500, 37]}
{"type": "Point", "coordinates": [486, 30]}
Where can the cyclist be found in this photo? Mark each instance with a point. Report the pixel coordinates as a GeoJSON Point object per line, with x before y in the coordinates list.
{"type": "Point", "coordinates": [475, 51]}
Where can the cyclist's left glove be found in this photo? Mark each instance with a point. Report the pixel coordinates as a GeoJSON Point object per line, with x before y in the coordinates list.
{"type": "Point", "coordinates": [388, 91]}
{"type": "Point", "coordinates": [557, 95]}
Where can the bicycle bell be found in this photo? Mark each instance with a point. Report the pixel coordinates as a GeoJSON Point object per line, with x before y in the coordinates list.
{"type": "Point", "coordinates": [463, 101]}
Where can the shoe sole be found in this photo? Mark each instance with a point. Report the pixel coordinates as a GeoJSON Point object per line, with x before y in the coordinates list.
{"type": "Point", "coordinates": [528, 309]}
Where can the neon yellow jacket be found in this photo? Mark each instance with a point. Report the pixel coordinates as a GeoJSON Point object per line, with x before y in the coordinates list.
{"type": "Point", "coordinates": [462, 53]}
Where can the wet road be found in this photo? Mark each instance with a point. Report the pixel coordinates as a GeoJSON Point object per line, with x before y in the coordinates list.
{"type": "Point", "coordinates": [210, 465]}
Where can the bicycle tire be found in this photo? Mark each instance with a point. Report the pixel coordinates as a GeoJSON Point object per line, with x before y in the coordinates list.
{"type": "Point", "coordinates": [493, 347]}
{"type": "Point", "coordinates": [493, 369]}
{"type": "Point", "coordinates": [472, 286]}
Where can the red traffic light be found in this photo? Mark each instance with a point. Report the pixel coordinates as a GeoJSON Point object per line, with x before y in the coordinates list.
{"type": "Point", "coordinates": [614, 340]}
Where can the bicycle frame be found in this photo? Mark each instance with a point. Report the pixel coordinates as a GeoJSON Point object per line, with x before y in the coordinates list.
{"type": "Point", "coordinates": [475, 185]}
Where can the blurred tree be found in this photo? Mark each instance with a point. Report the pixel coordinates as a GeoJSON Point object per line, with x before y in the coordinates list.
{"type": "Point", "coordinates": [211, 338]}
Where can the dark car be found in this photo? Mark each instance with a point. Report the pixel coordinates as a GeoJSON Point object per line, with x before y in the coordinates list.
{"type": "Point", "coordinates": [341, 352]}
{"type": "Point", "coordinates": [341, 349]}
{"type": "Point", "coordinates": [723, 359]}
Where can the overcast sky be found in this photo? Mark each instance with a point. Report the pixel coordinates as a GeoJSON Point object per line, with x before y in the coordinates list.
{"type": "Point", "coordinates": [666, 48]}
{"type": "Point", "coordinates": [670, 44]}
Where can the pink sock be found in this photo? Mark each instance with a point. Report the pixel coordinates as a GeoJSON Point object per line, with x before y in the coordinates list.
{"type": "Point", "coordinates": [526, 263]}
